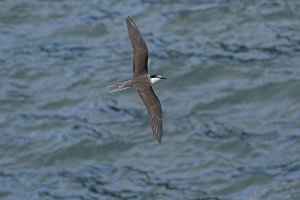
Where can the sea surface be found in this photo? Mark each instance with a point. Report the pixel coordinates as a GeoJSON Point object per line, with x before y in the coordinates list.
{"type": "Point", "coordinates": [231, 100]}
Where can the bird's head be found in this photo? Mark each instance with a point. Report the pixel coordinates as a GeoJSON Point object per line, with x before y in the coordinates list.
{"type": "Point", "coordinates": [154, 78]}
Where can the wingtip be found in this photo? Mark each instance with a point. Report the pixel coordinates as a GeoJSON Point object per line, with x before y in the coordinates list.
{"type": "Point", "coordinates": [130, 21]}
{"type": "Point", "coordinates": [128, 18]}
{"type": "Point", "coordinates": [159, 138]}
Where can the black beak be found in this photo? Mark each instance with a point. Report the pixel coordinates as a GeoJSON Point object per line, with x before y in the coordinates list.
{"type": "Point", "coordinates": [163, 78]}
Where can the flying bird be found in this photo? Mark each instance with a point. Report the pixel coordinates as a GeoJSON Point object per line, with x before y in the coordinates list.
{"type": "Point", "coordinates": [142, 80]}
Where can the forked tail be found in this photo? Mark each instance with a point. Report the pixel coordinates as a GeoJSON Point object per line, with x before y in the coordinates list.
{"type": "Point", "coordinates": [120, 86]}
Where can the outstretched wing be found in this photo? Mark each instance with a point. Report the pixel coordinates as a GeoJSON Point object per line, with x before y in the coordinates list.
{"type": "Point", "coordinates": [154, 110]}
{"type": "Point", "coordinates": [140, 50]}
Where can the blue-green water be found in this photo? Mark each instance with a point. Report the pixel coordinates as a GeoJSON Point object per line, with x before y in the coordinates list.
{"type": "Point", "coordinates": [231, 103]}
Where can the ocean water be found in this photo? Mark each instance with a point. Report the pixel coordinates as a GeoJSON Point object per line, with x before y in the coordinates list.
{"type": "Point", "coordinates": [231, 103]}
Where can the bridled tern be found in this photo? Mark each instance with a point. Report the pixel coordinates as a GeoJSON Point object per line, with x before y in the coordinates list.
{"type": "Point", "coordinates": [142, 80]}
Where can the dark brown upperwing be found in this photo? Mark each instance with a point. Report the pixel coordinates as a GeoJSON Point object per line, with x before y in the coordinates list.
{"type": "Point", "coordinates": [140, 50]}
{"type": "Point", "coordinates": [153, 107]}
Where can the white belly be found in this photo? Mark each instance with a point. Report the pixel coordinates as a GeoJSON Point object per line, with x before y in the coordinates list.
{"type": "Point", "coordinates": [154, 80]}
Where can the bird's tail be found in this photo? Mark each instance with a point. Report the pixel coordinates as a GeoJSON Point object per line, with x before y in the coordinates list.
{"type": "Point", "coordinates": [120, 86]}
